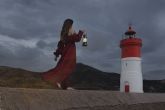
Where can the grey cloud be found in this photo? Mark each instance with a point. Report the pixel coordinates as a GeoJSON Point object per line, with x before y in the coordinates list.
{"type": "Point", "coordinates": [155, 74]}
{"type": "Point", "coordinates": [41, 44]}
{"type": "Point", "coordinates": [44, 45]}
{"type": "Point", "coordinates": [25, 57]}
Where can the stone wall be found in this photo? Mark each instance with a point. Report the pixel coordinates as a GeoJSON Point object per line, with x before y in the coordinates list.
{"type": "Point", "coordinates": [49, 99]}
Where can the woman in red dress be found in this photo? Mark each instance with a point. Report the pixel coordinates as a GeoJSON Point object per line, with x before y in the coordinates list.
{"type": "Point", "coordinates": [67, 50]}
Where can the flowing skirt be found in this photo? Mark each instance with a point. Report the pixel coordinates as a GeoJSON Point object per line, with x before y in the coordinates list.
{"type": "Point", "coordinates": [64, 67]}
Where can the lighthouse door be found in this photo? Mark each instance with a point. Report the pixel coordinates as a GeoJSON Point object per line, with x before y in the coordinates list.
{"type": "Point", "coordinates": [126, 86]}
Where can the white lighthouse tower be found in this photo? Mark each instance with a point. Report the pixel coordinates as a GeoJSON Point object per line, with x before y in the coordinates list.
{"type": "Point", "coordinates": [131, 72]}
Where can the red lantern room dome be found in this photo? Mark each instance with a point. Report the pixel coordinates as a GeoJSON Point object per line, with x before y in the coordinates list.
{"type": "Point", "coordinates": [130, 45]}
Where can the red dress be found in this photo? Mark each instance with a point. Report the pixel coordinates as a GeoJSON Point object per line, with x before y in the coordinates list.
{"type": "Point", "coordinates": [67, 62]}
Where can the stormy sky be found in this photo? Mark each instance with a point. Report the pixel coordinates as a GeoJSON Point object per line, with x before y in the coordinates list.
{"type": "Point", "coordinates": [30, 30]}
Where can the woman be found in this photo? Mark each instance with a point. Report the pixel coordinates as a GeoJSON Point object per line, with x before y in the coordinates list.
{"type": "Point", "coordinates": [67, 50]}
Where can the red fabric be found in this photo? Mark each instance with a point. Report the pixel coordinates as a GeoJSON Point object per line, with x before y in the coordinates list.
{"type": "Point", "coordinates": [67, 62]}
{"type": "Point", "coordinates": [59, 49]}
{"type": "Point", "coordinates": [131, 47]}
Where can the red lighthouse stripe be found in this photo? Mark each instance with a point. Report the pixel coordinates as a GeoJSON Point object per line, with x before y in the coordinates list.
{"type": "Point", "coordinates": [131, 47]}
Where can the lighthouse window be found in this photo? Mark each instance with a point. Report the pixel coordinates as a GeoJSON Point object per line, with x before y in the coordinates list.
{"type": "Point", "coordinates": [130, 36]}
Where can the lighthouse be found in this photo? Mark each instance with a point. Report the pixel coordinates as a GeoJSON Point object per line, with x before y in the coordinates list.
{"type": "Point", "coordinates": [131, 70]}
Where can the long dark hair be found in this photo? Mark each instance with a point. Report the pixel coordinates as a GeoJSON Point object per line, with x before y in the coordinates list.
{"type": "Point", "coordinates": [65, 28]}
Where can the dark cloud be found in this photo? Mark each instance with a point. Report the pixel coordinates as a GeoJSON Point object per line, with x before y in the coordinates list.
{"type": "Point", "coordinates": [41, 44]}
{"type": "Point", "coordinates": [155, 74]}
{"type": "Point", "coordinates": [25, 57]}
{"type": "Point", "coordinates": [39, 22]}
